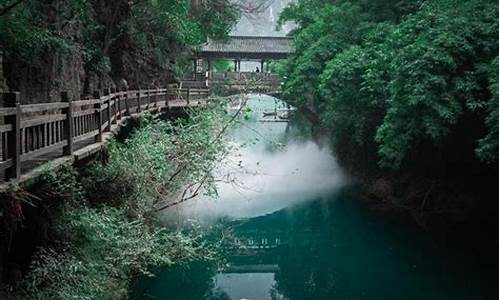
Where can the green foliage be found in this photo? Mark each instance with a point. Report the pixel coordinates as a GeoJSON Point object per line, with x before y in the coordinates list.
{"type": "Point", "coordinates": [22, 35]}
{"type": "Point", "coordinates": [167, 162]}
{"type": "Point", "coordinates": [107, 231]}
{"type": "Point", "coordinates": [30, 31]}
{"type": "Point", "coordinates": [215, 19]}
{"type": "Point", "coordinates": [488, 146]}
{"type": "Point", "coordinates": [436, 73]}
{"type": "Point", "coordinates": [64, 184]}
{"type": "Point", "coordinates": [395, 75]}
{"type": "Point", "coordinates": [170, 27]}
{"type": "Point", "coordinates": [128, 176]}
{"type": "Point", "coordinates": [347, 90]}
{"type": "Point", "coordinates": [223, 66]}
{"type": "Point", "coordinates": [103, 248]}
{"type": "Point", "coordinates": [273, 66]}
{"type": "Point", "coordinates": [314, 46]}
{"type": "Point", "coordinates": [164, 30]}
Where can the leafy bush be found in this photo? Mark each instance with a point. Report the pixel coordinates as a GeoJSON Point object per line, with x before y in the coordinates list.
{"type": "Point", "coordinates": [436, 73]}
{"type": "Point", "coordinates": [107, 231]}
{"type": "Point", "coordinates": [100, 250]}
{"type": "Point", "coordinates": [161, 158]}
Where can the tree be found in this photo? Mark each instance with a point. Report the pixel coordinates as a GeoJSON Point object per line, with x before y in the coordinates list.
{"type": "Point", "coordinates": [390, 78]}
{"type": "Point", "coordinates": [437, 74]}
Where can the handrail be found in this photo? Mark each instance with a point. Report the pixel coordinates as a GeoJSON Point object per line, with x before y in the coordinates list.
{"type": "Point", "coordinates": [30, 131]}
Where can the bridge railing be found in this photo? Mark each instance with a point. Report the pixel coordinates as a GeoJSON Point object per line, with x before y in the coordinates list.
{"type": "Point", "coordinates": [194, 84]}
{"type": "Point", "coordinates": [30, 132]}
{"type": "Point", "coordinates": [261, 76]}
{"type": "Point", "coordinates": [199, 81]}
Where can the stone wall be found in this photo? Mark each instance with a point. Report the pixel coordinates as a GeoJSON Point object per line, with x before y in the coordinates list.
{"type": "Point", "coordinates": [44, 81]}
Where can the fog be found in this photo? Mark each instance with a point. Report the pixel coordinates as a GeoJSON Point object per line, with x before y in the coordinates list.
{"type": "Point", "coordinates": [271, 167]}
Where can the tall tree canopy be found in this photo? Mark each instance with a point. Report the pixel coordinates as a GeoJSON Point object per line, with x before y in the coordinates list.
{"type": "Point", "coordinates": [161, 32]}
{"type": "Point", "coordinates": [396, 77]}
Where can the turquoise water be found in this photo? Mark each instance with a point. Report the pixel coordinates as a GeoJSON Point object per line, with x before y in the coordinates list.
{"type": "Point", "coordinates": [304, 236]}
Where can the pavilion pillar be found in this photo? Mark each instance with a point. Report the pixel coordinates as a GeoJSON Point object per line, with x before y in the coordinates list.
{"type": "Point", "coordinates": [235, 65]}
{"type": "Point", "coordinates": [239, 65]}
{"type": "Point", "coordinates": [262, 65]}
{"type": "Point", "coordinates": [209, 68]}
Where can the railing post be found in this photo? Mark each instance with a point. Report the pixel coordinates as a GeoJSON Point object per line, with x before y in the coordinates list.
{"type": "Point", "coordinates": [187, 96]}
{"type": "Point", "coordinates": [148, 93]}
{"type": "Point", "coordinates": [98, 107]}
{"type": "Point", "coordinates": [156, 97]}
{"type": "Point", "coordinates": [115, 111]}
{"type": "Point", "coordinates": [118, 106]}
{"type": "Point", "coordinates": [139, 101]}
{"type": "Point", "coordinates": [127, 108]}
{"type": "Point", "coordinates": [108, 100]}
{"type": "Point", "coordinates": [167, 96]}
{"type": "Point", "coordinates": [12, 99]}
{"type": "Point", "coordinates": [68, 124]}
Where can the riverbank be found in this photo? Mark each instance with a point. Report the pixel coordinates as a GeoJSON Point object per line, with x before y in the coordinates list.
{"type": "Point", "coordinates": [449, 198]}
{"type": "Point", "coordinates": [412, 118]}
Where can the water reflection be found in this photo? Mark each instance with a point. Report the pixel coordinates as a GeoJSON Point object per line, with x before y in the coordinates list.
{"type": "Point", "coordinates": [332, 248]}
{"type": "Point", "coordinates": [298, 236]}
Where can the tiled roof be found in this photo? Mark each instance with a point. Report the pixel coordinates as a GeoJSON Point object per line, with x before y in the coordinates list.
{"type": "Point", "coordinates": [250, 44]}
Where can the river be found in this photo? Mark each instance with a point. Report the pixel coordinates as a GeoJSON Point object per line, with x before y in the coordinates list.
{"type": "Point", "coordinates": [302, 232]}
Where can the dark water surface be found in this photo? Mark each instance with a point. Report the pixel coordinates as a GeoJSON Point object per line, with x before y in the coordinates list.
{"type": "Point", "coordinates": [303, 236]}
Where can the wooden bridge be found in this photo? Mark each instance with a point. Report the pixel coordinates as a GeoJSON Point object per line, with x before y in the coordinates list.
{"type": "Point", "coordinates": [230, 83]}
{"type": "Point", "coordinates": [73, 129]}
{"type": "Point", "coordinates": [240, 48]}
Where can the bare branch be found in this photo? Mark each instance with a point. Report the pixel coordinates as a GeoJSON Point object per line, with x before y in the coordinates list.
{"type": "Point", "coordinates": [207, 172]}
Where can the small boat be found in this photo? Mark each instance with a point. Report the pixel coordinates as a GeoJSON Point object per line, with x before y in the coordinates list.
{"type": "Point", "coordinates": [269, 113]}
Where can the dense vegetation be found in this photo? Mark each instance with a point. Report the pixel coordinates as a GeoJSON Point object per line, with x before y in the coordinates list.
{"type": "Point", "coordinates": [404, 86]}
{"type": "Point", "coordinates": [143, 42]}
{"type": "Point", "coordinates": [105, 226]}
{"type": "Point", "coordinates": [98, 228]}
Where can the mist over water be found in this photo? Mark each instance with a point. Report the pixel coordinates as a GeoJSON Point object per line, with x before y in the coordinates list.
{"type": "Point", "coordinates": [299, 234]}
{"type": "Point", "coordinates": [272, 167]}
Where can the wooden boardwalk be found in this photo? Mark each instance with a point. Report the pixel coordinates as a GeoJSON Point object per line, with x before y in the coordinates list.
{"type": "Point", "coordinates": [70, 130]}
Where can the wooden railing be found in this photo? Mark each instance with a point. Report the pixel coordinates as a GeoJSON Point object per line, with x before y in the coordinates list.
{"type": "Point", "coordinates": [262, 76]}
{"type": "Point", "coordinates": [198, 80]}
{"type": "Point", "coordinates": [30, 131]}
